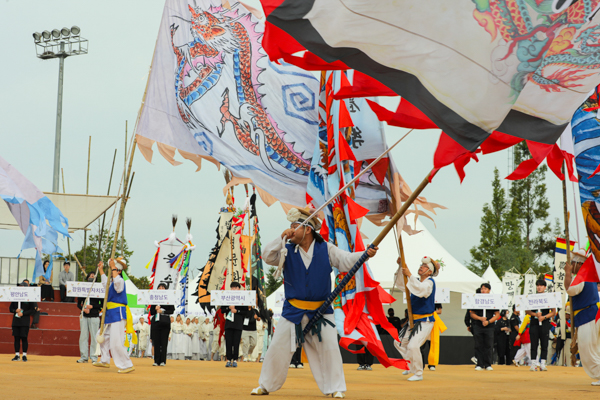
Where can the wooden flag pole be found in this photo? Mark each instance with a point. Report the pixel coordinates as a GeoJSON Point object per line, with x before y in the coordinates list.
{"type": "Point", "coordinates": [573, 348]}
{"type": "Point", "coordinates": [114, 246]}
{"type": "Point", "coordinates": [386, 229]}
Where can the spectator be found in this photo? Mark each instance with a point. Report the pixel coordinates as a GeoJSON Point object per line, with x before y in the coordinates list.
{"type": "Point", "coordinates": [249, 335]}
{"type": "Point", "coordinates": [503, 340]}
{"type": "Point", "coordinates": [296, 361]}
{"type": "Point", "coordinates": [392, 319]}
{"type": "Point", "coordinates": [143, 330]}
{"type": "Point", "coordinates": [47, 291]}
{"type": "Point", "coordinates": [539, 330]}
{"type": "Point", "coordinates": [160, 327]}
{"type": "Point", "coordinates": [514, 322]}
{"type": "Point", "coordinates": [89, 325]}
{"type": "Point", "coordinates": [483, 333]}
{"type": "Point", "coordinates": [64, 277]}
{"type": "Point", "coordinates": [20, 324]}
{"type": "Point", "coordinates": [234, 323]}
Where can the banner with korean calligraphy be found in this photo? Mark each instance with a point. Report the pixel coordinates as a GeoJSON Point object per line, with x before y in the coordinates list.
{"type": "Point", "coordinates": [162, 270]}
{"type": "Point", "coordinates": [529, 285]}
{"type": "Point", "coordinates": [510, 286]}
{"type": "Point", "coordinates": [560, 259]}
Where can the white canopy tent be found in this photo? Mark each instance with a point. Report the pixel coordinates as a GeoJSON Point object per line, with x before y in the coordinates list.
{"type": "Point", "coordinates": [490, 276]}
{"type": "Point", "coordinates": [453, 275]}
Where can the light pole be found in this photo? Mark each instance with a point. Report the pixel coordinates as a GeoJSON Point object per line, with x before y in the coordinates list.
{"type": "Point", "coordinates": [59, 44]}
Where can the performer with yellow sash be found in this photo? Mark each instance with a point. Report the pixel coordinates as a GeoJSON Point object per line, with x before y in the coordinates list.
{"type": "Point", "coordinates": [585, 301]}
{"type": "Point", "coordinates": [308, 262]}
{"type": "Point", "coordinates": [426, 321]}
{"type": "Point", "coordinates": [118, 320]}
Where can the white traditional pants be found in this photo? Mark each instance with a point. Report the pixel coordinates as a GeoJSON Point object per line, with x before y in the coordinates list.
{"type": "Point", "coordinates": [248, 343]}
{"type": "Point", "coordinates": [114, 339]}
{"type": "Point", "coordinates": [88, 328]}
{"type": "Point", "coordinates": [524, 351]}
{"type": "Point", "coordinates": [324, 358]}
{"type": "Point", "coordinates": [411, 349]}
{"type": "Point", "coordinates": [589, 352]}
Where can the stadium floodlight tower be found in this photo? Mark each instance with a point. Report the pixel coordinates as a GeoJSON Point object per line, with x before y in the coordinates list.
{"type": "Point", "coordinates": [59, 44]}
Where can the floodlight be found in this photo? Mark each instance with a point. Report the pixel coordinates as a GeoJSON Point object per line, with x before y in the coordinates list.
{"type": "Point", "coordinates": [65, 32]}
{"type": "Point", "coordinates": [55, 33]}
{"type": "Point", "coordinates": [75, 30]}
{"type": "Point", "coordinates": [37, 36]}
{"type": "Point", "coordinates": [46, 35]}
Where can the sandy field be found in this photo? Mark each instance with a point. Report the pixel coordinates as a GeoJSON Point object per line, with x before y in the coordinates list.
{"type": "Point", "coordinates": [62, 378]}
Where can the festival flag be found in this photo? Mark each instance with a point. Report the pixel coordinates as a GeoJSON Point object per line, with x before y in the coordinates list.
{"type": "Point", "coordinates": [561, 246]}
{"type": "Point", "coordinates": [39, 219]}
{"type": "Point", "coordinates": [474, 68]}
{"type": "Point", "coordinates": [358, 308]}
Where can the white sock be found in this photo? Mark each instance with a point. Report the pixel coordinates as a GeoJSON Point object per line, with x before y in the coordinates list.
{"type": "Point", "coordinates": [24, 354]}
{"type": "Point", "coordinates": [17, 354]}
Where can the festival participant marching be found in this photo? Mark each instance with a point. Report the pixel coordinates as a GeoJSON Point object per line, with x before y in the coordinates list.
{"type": "Point", "coordinates": [585, 301]}
{"type": "Point", "coordinates": [118, 320]}
{"type": "Point", "coordinates": [308, 263]}
{"type": "Point", "coordinates": [539, 330]}
{"type": "Point", "coordinates": [422, 298]}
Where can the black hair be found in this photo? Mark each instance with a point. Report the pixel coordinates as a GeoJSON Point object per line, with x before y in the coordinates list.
{"type": "Point", "coordinates": [514, 308]}
{"type": "Point", "coordinates": [503, 313]}
{"type": "Point", "coordinates": [90, 274]}
{"type": "Point", "coordinates": [540, 282]}
{"type": "Point", "coordinates": [46, 261]}
{"type": "Point", "coordinates": [478, 290]}
{"type": "Point", "coordinates": [487, 285]}
{"type": "Point", "coordinates": [391, 312]}
{"type": "Point", "coordinates": [163, 285]}
{"type": "Point", "coordinates": [234, 285]}
{"type": "Point", "coordinates": [438, 306]}
{"type": "Point", "coordinates": [67, 263]}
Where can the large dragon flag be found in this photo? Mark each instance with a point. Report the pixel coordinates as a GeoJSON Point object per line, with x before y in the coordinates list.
{"type": "Point", "coordinates": [585, 128]}
{"type": "Point", "coordinates": [213, 94]}
{"type": "Point", "coordinates": [39, 219]}
{"type": "Point", "coordinates": [520, 67]}
{"type": "Point", "coordinates": [359, 307]}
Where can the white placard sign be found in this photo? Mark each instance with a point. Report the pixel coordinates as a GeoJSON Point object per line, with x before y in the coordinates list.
{"type": "Point", "coordinates": [485, 301]}
{"type": "Point", "coordinates": [81, 289]}
{"type": "Point", "coordinates": [233, 298]}
{"type": "Point", "coordinates": [157, 297]}
{"type": "Point", "coordinates": [538, 301]}
{"type": "Point", "coordinates": [442, 295]}
{"type": "Point", "coordinates": [21, 293]}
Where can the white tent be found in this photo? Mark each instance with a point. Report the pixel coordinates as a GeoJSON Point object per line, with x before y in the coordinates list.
{"type": "Point", "coordinates": [490, 276]}
{"type": "Point", "coordinates": [453, 275]}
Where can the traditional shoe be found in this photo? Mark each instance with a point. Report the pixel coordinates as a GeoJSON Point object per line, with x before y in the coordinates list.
{"type": "Point", "coordinates": [338, 395]}
{"type": "Point", "coordinates": [126, 370]}
{"type": "Point", "coordinates": [516, 364]}
{"type": "Point", "coordinates": [405, 372]}
{"type": "Point", "coordinates": [101, 364]}
{"type": "Point", "coordinates": [415, 378]}
{"type": "Point", "coordinates": [596, 383]}
{"type": "Point", "coordinates": [259, 392]}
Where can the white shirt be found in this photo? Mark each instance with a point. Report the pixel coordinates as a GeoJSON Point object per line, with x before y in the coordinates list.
{"type": "Point", "coordinates": [118, 282]}
{"type": "Point", "coordinates": [416, 287]}
{"type": "Point", "coordinates": [342, 260]}
{"type": "Point", "coordinates": [574, 290]}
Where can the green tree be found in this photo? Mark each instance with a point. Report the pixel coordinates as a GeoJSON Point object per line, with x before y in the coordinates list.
{"type": "Point", "coordinates": [529, 195]}
{"type": "Point", "coordinates": [140, 283]}
{"type": "Point", "coordinates": [92, 254]}
{"type": "Point", "coordinates": [499, 229]}
{"type": "Point", "coordinates": [272, 284]}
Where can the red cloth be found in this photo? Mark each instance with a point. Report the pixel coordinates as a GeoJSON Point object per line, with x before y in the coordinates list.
{"type": "Point", "coordinates": [405, 116]}
{"type": "Point", "coordinates": [362, 86]}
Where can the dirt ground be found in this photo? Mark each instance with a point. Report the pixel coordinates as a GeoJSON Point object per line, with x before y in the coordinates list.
{"type": "Point", "coordinates": [62, 378]}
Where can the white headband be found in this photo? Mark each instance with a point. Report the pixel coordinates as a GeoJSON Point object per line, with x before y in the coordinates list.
{"type": "Point", "coordinates": [430, 264]}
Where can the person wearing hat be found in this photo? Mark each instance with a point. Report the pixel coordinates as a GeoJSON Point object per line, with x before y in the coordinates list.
{"type": "Point", "coordinates": [64, 277]}
{"type": "Point", "coordinates": [308, 262]}
{"type": "Point", "coordinates": [539, 330]}
{"type": "Point", "coordinates": [118, 321]}
{"type": "Point", "coordinates": [585, 301]}
{"type": "Point", "coordinates": [422, 299]}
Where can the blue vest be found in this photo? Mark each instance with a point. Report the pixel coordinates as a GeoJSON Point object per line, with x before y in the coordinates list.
{"type": "Point", "coordinates": [424, 305]}
{"type": "Point", "coordinates": [312, 283]}
{"type": "Point", "coordinates": [119, 313]}
{"type": "Point", "coordinates": [586, 301]}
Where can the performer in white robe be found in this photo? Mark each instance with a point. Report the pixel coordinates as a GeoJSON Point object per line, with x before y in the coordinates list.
{"type": "Point", "coordinates": [422, 297]}
{"type": "Point", "coordinates": [203, 339]}
{"type": "Point", "coordinates": [178, 339]}
{"type": "Point", "coordinates": [143, 338]}
{"type": "Point", "coordinates": [188, 335]}
{"type": "Point", "coordinates": [118, 320]}
{"type": "Point", "coordinates": [307, 281]}
{"type": "Point", "coordinates": [260, 333]}
{"type": "Point", "coordinates": [585, 301]}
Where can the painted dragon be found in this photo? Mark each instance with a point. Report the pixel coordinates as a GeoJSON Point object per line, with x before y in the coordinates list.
{"type": "Point", "coordinates": [205, 56]}
{"type": "Point", "coordinates": [549, 44]}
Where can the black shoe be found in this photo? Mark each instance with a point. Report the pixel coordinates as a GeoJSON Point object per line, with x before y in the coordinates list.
{"type": "Point", "coordinates": [24, 358]}
{"type": "Point", "coordinates": [17, 358]}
